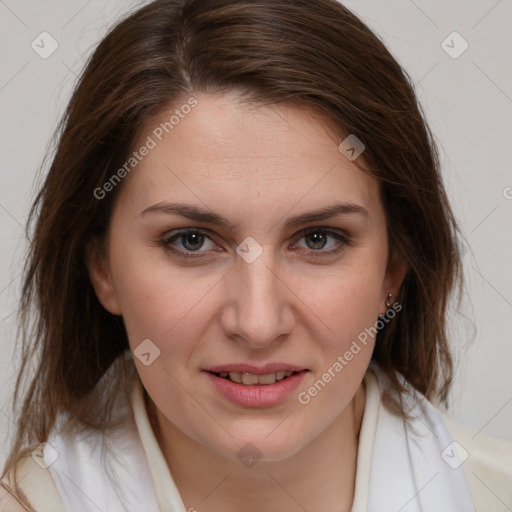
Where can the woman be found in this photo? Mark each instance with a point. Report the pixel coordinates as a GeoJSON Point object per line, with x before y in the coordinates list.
{"type": "Point", "coordinates": [241, 262]}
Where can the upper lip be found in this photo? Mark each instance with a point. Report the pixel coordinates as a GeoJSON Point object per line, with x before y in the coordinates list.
{"type": "Point", "coordinates": [255, 370]}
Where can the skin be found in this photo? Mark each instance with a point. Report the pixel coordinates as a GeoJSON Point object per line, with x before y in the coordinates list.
{"type": "Point", "coordinates": [256, 166]}
{"type": "Point", "coordinates": [8, 503]}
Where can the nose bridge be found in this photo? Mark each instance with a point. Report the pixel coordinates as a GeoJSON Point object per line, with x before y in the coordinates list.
{"type": "Point", "coordinates": [260, 300]}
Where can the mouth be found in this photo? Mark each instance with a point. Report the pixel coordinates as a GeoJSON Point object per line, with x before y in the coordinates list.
{"type": "Point", "coordinates": [256, 386]}
{"type": "Point", "coordinates": [251, 379]}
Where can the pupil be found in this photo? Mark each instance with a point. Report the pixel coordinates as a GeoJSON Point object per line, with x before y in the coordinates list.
{"type": "Point", "coordinates": [319, 238]}
{"type": "Point", "coordinates": [196, 239]}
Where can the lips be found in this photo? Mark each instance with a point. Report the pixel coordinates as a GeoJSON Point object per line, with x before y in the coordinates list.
{"type": "Point", "coordinates": [256, 386]}
{"type": "Point", "coordinates": [250, 375]}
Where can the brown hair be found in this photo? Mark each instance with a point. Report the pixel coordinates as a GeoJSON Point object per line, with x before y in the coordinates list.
{"type": "Point", "coordinates": [314, 53]}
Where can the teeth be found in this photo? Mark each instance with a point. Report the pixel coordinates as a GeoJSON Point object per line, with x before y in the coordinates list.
{"type": "Point", "coordinates": [269, 378]}
{"type": "Point", "coordinates": [250, 379]}
{"type": "Point", "coordinates": [235, 377]}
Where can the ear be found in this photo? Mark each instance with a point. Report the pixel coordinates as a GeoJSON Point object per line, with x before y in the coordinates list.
{"type": "Point", "coordinates": [395, 273]}
{"type": "Point", "coordinates": [100, 276]}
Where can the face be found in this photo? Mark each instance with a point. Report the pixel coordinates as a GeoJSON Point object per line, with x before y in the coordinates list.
{"type": "Point", "coordinates": [246, 246]}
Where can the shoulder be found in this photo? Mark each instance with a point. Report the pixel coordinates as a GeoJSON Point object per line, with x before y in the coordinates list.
{"type": "Point", "coordinates": [30, 487]}
{"type": "Point", "coordinates": [487, 464]}
{"type": "Point", "coordinates": [8, 502]}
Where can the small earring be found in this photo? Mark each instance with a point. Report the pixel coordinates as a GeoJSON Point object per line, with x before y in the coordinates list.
{"type": "Point", "coordinates": [388, 298]}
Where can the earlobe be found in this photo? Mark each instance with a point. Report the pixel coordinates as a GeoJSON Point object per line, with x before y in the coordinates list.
{"type": "Point", "coordinates": [101, 279]}
{"type": "Point", "coordinates": [395, 274]}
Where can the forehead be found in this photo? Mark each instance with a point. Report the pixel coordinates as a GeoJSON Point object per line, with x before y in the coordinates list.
{"type": "Point", "coordinates": [227, 149]}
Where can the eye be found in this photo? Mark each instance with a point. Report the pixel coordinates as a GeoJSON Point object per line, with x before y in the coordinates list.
{"type": "Point", "coordinates": [189, 240]}
{"type": "Point", "coordinates": [317, 240]}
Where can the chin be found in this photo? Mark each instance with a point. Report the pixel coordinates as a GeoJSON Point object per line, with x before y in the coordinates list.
{"type": "Point", "coordinates": [262, 447]}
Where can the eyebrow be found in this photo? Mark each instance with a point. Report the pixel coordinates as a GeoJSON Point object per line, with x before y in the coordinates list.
{"type": "Point", "coordinates": [201, 215]}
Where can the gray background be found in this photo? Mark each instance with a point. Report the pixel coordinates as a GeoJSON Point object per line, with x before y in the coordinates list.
{"type": "Point", "coordinates": [468, 102]}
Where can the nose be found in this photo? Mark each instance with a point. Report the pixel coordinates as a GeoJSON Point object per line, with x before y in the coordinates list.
{"type": "Point", "coordinates": [259, 308]}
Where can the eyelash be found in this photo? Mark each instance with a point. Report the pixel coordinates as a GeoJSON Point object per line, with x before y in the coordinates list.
{"type": "Point", "coordinates": [342, 238]}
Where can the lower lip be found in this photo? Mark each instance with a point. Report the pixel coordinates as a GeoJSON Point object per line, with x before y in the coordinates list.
{"type": "Point", "coordinates": [257, 395]}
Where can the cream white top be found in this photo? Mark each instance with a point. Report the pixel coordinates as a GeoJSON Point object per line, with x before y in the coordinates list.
{"type": "Point", "coordinates": [487, 468]}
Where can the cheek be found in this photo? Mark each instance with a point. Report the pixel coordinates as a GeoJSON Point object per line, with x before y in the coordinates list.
{"type": "Point", "coordinates": [157, 300]}
{"type": "Point", "coordinates": [348, 310]}
{"type": "Point", "coordinates": [348, 301]}
{"type": "Point", "coordinates": [160, 305]}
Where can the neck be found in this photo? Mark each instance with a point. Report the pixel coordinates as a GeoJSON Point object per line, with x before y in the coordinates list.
{"type": "Point", "coordinates": [320, 476]}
